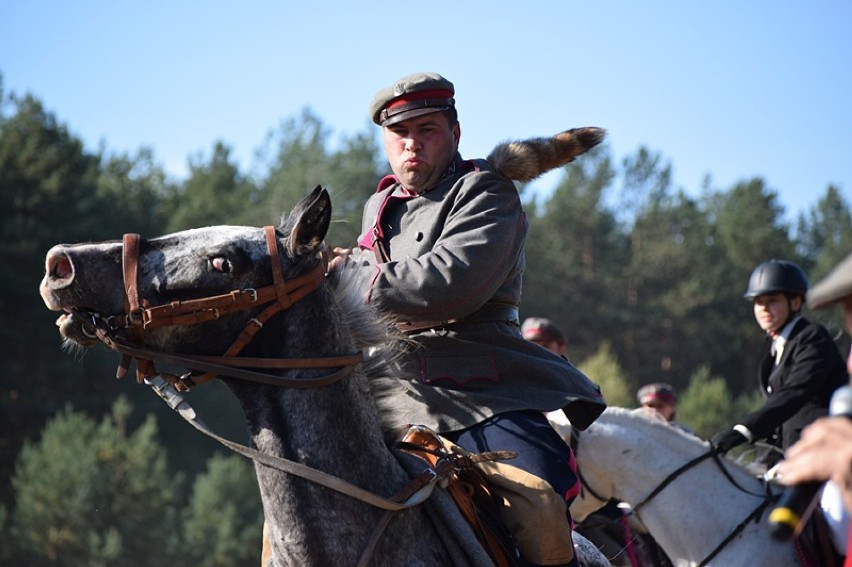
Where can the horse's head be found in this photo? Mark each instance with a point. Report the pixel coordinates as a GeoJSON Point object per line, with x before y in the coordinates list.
{"type": "Point", "coordinates": [169, 279]}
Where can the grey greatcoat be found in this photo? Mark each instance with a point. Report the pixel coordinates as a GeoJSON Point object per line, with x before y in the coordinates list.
{"type": "Point", "coordinates": [447, 263]}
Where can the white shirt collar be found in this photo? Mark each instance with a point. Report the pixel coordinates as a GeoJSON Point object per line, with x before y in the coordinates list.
{"type": "Point", "coordinates": [779, 340]}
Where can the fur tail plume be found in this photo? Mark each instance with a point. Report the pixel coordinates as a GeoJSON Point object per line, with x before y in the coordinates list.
{"type": "Point", "coordinates": [524, 160]}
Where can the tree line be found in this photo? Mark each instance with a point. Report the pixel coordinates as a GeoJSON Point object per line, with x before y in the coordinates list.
{"type": "Point", "coordinates": [645, 278]}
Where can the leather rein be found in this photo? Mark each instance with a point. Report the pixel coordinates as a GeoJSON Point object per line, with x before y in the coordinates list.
{"type": "Point", "coordinates": [278, 297]}
{"type": "Point", "coordinates": [767, 497]}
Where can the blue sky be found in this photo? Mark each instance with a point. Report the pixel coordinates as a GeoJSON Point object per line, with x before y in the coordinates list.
{"type": "Point", "coordinates": [730, 89]}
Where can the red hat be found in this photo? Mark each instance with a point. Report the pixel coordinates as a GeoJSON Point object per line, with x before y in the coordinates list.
{"type": "Point", "coordinates": [413, 95]}
{"type": "Point", "coordinates": [657, 391]}
{"type": "Point", "coordinates": [541, 329]}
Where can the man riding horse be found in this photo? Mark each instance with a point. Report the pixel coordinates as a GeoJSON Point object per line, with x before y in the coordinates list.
{"type": "Point", "coordinates": [442, 252]}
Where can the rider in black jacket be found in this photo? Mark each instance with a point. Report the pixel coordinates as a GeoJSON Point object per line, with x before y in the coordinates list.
{"type": "Point", "coordinates": [802, 365]}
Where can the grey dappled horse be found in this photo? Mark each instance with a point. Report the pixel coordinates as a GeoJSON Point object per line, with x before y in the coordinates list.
{"type": "Point", "coordinates": [186, 294]}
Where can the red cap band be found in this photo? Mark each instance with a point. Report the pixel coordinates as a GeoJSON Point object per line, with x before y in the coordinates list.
{"type": "Point", "coordinates": [419, 95]}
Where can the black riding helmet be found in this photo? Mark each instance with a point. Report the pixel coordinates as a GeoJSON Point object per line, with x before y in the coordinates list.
{"type": "Point", "coordinates": [777, 276]}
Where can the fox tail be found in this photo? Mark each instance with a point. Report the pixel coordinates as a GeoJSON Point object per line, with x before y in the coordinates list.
{"type": "Point", "coordinates": [524, 160]}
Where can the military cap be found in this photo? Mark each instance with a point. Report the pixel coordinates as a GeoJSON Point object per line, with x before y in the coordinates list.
{"type": "Point", "coordinates": [410, 96]}
{"type": "Point", "coordinates": [834, 287]}
{"type": "Point", "coordinates": [541, 329]}
{"type": "Point", "coordinates": [656, 391]}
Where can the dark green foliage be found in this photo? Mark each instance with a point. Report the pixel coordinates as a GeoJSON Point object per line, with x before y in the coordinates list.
{"type": "Point", "coordinates": [825, 233]}
{"type": "Point", "coordinates": [93, 493]}
{"type": "Point", "coordinates": [707, 405]}
{"type": "Point", "coordinates": [131, 191]}
{"type": "Point", "coordinates": [7, 551]}
{"type": "Point", "coordinates": [749, 225]}
{"type": "Point", "coordinates": [296, 158]}
{"type": "Point", "coordinates": [214, 193]}
{"type": "Point", "coordinates": [824, 238]}
{"type": "Point", "coordinates": [573, 244]}
{"type": "Point", "coordinates": [603, 369]}
{"type": "Point", "coordinates": [354, 172]}
{"type": "Point", "coordinates": [223, 522]}
{"type": "Point", "coordinates": [49, 187]}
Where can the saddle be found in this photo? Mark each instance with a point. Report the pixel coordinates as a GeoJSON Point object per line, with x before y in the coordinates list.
{"type": "Point", "coordinates": [516, 516]}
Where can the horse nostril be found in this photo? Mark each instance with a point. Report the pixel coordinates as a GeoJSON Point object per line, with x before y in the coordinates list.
{"type": "Point", "coordinates": [59, 267]}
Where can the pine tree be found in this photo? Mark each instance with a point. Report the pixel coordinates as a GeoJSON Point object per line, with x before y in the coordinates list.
{"type": "Point", "coordinates": [89, 494]}
{"type": "Point", "coordinates": [223, 521]}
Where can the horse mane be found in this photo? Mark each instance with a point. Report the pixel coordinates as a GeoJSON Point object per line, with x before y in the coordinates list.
{"type": "Point", "coordinates": [383, 345]}
{"type": "Point", "coordinates": [627, 418]}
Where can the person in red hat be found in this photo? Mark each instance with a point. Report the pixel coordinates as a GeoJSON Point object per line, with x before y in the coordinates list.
{"type": "Point", "coordinates": [546, 333]}
{"type": "Point", "coordinates": [660, 397]}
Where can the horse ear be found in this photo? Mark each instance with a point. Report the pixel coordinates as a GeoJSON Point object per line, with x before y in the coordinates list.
{"type": "Point", "coordinates": [308, 222]}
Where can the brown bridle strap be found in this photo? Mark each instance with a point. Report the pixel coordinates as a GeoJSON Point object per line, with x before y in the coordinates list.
{"type": "Point", "coordinates": [194, 311]}
{"type": "Point", "coordinates": [184, 383]}
{"type": "Point", "coordinates": [277, 276]}
{"type": "Point", "coordinates": [130, 268]}
{"type": "Point", "coordinates": [280, 295]}
{"type": "Point", "coordinates": [324, 362]}
{"type": "Point", "coordinates": [417, 491]}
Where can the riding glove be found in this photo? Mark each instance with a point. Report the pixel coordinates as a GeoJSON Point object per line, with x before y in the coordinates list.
{"type": "Point", "coordinates": [727, 440]}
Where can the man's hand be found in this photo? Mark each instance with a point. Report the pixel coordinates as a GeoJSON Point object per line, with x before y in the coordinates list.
{"type": "Point", "coordinates": [337, 258]}
{"type": "Point", "coordinates": [727, 440]}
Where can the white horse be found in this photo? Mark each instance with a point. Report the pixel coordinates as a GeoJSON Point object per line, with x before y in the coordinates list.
{"type": "Point", "coordinates": [713, 512]}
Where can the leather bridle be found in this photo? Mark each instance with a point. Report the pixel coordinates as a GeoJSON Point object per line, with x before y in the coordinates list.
{"type": "Point", "coordinates": [280, 296]}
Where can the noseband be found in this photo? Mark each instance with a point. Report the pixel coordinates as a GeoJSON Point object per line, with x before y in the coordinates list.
{"type": "Point", "coordinates": [278, 297]}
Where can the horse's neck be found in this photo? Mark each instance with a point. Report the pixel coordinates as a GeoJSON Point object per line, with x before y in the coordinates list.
{"type": "Point", "coordinates": [330, 427]}
{"type": "Point", "coordinates": [647, 453]}
{"type": "Point", "coordinates": [653, 453]}
{"type": "Point", "coordinates": [324, 429]}
{"type": "Point", "coordinates": [334, 429]}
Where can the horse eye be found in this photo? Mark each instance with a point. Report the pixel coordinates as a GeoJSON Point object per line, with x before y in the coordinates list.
{"type": "Point", "coordinates": [221, 264]}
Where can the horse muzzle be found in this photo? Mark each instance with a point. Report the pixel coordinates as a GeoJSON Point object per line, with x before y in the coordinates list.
{"type": "Point", "coordinates": [86, 297]}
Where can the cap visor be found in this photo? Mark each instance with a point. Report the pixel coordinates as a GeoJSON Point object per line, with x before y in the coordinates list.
{"type": "Point", "coordinates": [413, 113]}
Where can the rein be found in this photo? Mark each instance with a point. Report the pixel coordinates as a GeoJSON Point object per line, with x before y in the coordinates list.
{"type": "Point", "coordinates": [767, 497]}
{"type": "Point", "coordinates": [420, 488]}
{"type": "Point", "coordinates": [279, 296]}
{"type": "Point", "coordinates": [417, 491]}
{"type": "Point", "coordinates": [671, 477]}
